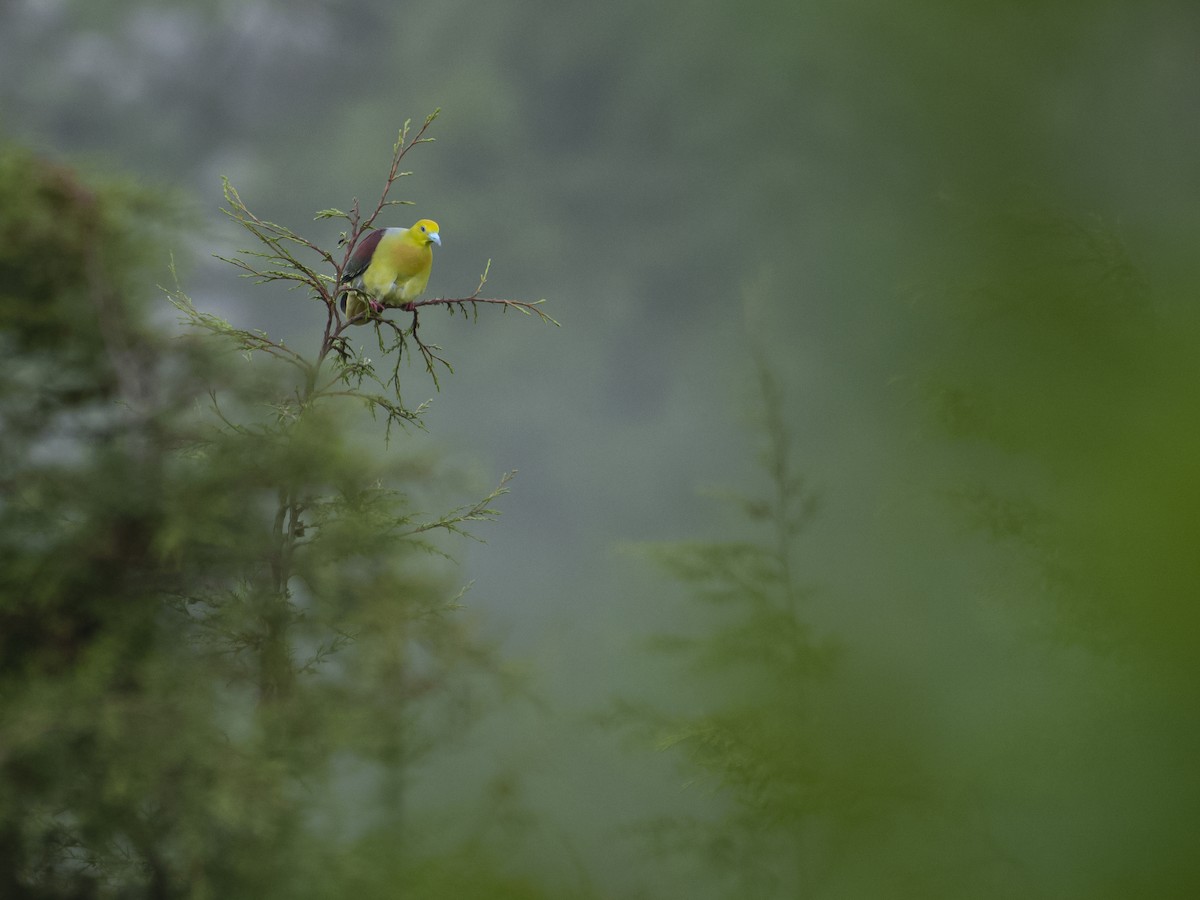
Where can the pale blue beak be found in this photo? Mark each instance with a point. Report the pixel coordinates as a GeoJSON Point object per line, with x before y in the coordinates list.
{"type": "Point", "coordinates": [435, 237]}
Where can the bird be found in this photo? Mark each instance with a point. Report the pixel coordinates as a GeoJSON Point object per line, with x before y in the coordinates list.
{"type": "Point", "coordinates": [389, 267]}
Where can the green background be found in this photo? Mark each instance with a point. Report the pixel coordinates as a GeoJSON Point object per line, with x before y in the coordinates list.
{"type": "Point", "coordinates": [963, 237]}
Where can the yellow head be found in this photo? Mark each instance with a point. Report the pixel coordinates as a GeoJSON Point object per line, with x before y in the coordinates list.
{"type": "Point", "coordinates": [427, 232]}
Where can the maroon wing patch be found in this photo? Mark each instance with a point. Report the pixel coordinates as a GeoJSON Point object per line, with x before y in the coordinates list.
{"type": "Point", "coordinates": [361, 258]}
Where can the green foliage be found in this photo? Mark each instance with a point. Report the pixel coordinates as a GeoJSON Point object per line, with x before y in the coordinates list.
{"type": "Point", "coordinates": [828, 775]}
{"type": "Point", "coordinates": [1047, 345]}
{"type": "Point", "coordinates": [1055, 388]}
{"type": "Point", "coordinates": [759, 730]}
{"type": "Point", "coordinates": [991, 760]}
{"type": "Point", "coordinates": [214, 599]}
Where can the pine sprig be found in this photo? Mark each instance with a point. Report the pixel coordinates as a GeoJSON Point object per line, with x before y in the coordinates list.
{"type": "Point", "coordinates": [455, 521]}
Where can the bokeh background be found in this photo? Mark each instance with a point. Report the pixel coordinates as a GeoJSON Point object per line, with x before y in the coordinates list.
{"type": "Point", "coordinates": [959, 238]}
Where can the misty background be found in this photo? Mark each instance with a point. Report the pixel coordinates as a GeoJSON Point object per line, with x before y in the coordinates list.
{"type": "Point", "coordinates": [962, 239]}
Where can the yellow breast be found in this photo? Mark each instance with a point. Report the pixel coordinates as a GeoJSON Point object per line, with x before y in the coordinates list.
{"type": "Point", "coordinates": [399, 269]}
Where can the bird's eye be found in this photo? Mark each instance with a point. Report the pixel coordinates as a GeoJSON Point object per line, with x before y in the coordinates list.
{"type": "Point", "coordinates": [422, 227]}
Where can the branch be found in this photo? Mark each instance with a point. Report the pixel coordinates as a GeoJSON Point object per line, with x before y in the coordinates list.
{"type": "Point", "coordinates": [460, 303]}
{"type": "Point", "coordinates": [399, 149]}
{"type": "Point", "coordinates": [244, 339]}
{"type": "Point", "coordinates": [522, 306]}
{"type": "Point", "coordinates": [481, 511]}
{"type": "Point", "coordinates": [430, 352]}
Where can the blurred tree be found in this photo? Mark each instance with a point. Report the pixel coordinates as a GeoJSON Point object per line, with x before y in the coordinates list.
{"type": "Point", "coordinates": [804, 768]}
{"type": "Point", "coordinates": [1059, 384]}
{"type": "Point", "coordinates": [1061, 442]}
{"type": "Point", "coordinates": [1043, 339]}
{"type": "Point", "coordinates": [209, 617]}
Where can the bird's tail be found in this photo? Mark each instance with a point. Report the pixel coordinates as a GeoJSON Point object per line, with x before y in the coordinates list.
{"type": "Point", "coordinates": [353, 306]}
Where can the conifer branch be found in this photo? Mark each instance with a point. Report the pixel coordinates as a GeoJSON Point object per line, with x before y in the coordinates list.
{"type": "Point", "coordinates": [353, 375]}
{"type": "Point", "coordinates": [481, 511]}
